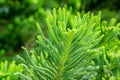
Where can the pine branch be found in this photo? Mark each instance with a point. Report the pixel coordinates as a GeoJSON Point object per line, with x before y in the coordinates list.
{"type": "Point", "coordinates": [70, 43]}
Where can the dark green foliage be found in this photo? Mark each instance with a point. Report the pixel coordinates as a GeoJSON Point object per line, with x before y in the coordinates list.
{"type": "Point", "coordinates": [17, 19]}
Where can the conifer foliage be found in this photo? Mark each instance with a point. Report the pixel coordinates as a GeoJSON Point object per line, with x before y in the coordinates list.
{"type": "Point", "coordinates": [66, 48]}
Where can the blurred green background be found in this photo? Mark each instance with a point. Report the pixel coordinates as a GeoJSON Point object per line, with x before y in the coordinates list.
{"type": "Point", "coordinates": [18, 19]}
